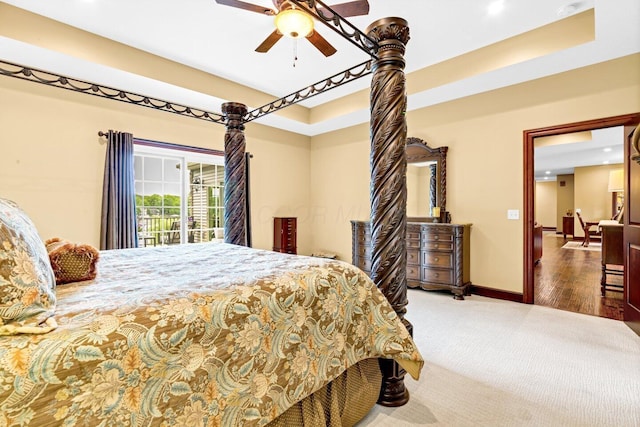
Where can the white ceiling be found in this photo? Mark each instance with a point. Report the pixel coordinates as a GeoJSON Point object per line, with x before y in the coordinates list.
{"type": "Point", "coordinates": [606, 147]}
{"type": "Point", "coordinates": [221, 40]}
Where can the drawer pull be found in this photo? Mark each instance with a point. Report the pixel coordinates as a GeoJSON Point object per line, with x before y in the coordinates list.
{"type": "Point", "coordinates": [436, 237]}
{"type": "Point", "coordinates": [436, 259]}
{"type": "Point", "coordinates": [437, 275]}
{"type": "Point", "coordinates": [436, 246]}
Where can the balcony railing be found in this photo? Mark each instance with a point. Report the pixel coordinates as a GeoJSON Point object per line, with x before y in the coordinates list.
{"type": "Point", "coordinates": [162, 231]}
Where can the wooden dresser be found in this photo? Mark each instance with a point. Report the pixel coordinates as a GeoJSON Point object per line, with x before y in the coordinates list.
{"type": "Point", "coordinates": [285, 235]}
{"type": "Point", "coordinates": [437, 255]}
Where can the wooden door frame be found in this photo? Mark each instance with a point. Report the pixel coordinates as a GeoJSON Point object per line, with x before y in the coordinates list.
{"type": "Point", "coordinates": [529, 181]}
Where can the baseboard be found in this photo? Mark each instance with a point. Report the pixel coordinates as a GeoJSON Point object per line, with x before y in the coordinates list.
{"type": "Point", "coordinates": [497, 293]}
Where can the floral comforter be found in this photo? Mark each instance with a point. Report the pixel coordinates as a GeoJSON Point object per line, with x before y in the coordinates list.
{"type": "Point", "coordinates": [197, 335]}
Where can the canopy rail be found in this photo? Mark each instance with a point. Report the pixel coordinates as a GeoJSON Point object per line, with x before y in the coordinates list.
{"type": "Point", "coordinates": [324, 14]}
{"type": "Point", "coordinates": [340, 25]}
{"type": "Point", "coordinates": [48, 78]}
{"type": "Point", "coordinates": [64, 82]}
{"type": "Point", "coordinates": [329, 83]}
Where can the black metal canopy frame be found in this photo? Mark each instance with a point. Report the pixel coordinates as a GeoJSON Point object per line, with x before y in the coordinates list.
{"type": "Point", "coordinates": [325, 15]}
{"type": "Point", "coordinates": [385, 42]}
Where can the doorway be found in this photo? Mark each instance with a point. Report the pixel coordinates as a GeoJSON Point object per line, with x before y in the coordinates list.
{"type": "Point", "coordinates": [529, 137]}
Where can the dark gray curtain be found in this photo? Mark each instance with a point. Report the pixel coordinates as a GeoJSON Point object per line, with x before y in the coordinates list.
{"type": "Point", "coordinates": [119, 224]}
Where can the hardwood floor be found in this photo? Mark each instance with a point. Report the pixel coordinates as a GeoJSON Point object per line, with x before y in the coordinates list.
{"type": "Point", "coordinates": [569, 279]}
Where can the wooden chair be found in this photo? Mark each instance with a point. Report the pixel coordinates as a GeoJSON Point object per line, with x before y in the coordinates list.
{"type": "Point", "coordinates": [191, 238]}
{"type": "Point", "coordinates": [586, 227]}
{"type": "Point", "coordinates": [612, 256]}
{"type": "Point", "coordinates": [619, 216]}
{"type": "Point", "coordinates": [174, 236]}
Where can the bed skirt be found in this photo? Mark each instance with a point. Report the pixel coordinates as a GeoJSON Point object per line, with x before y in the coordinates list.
{"type": "Point", "coordinates": [341, 403]}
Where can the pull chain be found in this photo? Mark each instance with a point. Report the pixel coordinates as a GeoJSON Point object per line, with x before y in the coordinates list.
{"type": "Point", "coordinates": [295, 52]}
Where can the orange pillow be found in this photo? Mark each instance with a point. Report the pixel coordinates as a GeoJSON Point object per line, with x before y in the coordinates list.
{"type": "Point", "coordinates": [72, 262]}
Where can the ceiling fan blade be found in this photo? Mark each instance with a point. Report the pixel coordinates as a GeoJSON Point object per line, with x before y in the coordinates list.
{"type": "Point", "coordinates": [247, 6]}
{"type": "Point", "coordinates": [321, 44]}
{"type": "Point", "coordinates": [269, 42]}
{"type": "Point", "coordinates": [352, 8]}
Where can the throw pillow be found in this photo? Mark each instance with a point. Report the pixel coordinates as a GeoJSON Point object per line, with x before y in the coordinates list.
{"type": "Point", "coordinates": [72, 262]}
{"type": "Point", "coordinates": [27, 283]}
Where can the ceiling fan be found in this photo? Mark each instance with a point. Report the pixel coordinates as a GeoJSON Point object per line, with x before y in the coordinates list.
{"type": "Point", "coordinates": [293, 22]}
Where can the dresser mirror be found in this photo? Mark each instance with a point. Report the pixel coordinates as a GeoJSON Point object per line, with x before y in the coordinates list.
{"type": "Point", "coordinates": [426, 182]}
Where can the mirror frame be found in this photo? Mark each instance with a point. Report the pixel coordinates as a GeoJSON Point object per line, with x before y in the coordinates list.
{"type": "Point", "coordinates": [417, 150]}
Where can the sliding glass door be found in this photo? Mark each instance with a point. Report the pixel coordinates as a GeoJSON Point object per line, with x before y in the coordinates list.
{"type": "Point", "coordinates": [179, 195]}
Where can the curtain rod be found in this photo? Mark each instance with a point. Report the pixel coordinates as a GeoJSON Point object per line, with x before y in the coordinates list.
{"type": "Point", "coordinates": [151, 143]}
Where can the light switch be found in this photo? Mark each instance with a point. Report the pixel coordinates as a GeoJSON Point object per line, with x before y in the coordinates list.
{"type": "Point", "coordinates": [513, 214]}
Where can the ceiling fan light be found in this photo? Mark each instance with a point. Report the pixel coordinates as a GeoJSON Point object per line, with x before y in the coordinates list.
{"type": "Point", "coordinates": [294, 23]}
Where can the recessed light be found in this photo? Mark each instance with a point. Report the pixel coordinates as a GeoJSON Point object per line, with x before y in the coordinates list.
{"type": "Point", "coordinates": [569, 9]}
{"type": "Point", "coordinates": [546, 177]}
{"type": "Point", "coordinates": [495, 7]}
{"type": "Point", "coordinates": [606, 150]}
{"type": "Point", "coordinates": [606, 162]}
{"type": "Point", "coordinates": [548, 172]}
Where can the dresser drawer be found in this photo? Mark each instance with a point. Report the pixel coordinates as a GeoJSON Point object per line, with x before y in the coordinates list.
{"type": "Point", "coordinates": [437, 259]}
{"type": "Point", "coordinates": [413, 272]}
{"type": "Point", "coordinates": [413, 244]}
{"type": "Point", "coordinates": [431, 236]}
{"type": "Point", "coordinates": [361, 239]}
{"type": "Point", "coordinates": [413, 232]}
{"type": "Point", "coordinates": [438, 246]}
{"type": "Point", "coordinates": [363, 264]}
{"type": "Point", "coordinates": [362, 251]}
{"type": "Point", "coordinates": [413, 256]}
{"type": "Point", "coordinates": [437, 276]}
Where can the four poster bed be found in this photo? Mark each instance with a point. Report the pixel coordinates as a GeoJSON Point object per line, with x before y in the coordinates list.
{"type": "Point", "coordinates": [206, 334]}
{"type": "Point", "coordinates": [200, 334]}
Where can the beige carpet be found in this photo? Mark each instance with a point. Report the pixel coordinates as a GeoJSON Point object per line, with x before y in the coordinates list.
{"type": "Point", "coordinates": [593, 246]}
{"type": "Point", "coordinates": [497, 363]}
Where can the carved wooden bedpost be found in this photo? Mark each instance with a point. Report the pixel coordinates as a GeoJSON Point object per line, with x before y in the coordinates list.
{"type": "Point", "coordinates": [235, 195]}
{"type": "Point", "coordinates": [388, 185]}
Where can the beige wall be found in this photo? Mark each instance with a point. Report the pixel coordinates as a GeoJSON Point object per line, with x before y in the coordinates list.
{"type": "Point", "coordinates": [546, 207]}
{"type": "Point", "coordinates": [591, 193]}
{"type": "Point", "coordinates": [52, 159]}
{"type": "Point", "coordinates": [566, 200]}
{"type": "Point", "coordinates": [586, 190]}
{"type": "Point", "coordinates": [279, 184]}
{"type": "Point", "coordinates": [484, 163]}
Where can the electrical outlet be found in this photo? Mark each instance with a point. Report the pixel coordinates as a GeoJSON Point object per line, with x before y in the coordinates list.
{"type": "Point", "coordinates": [513, 214]}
